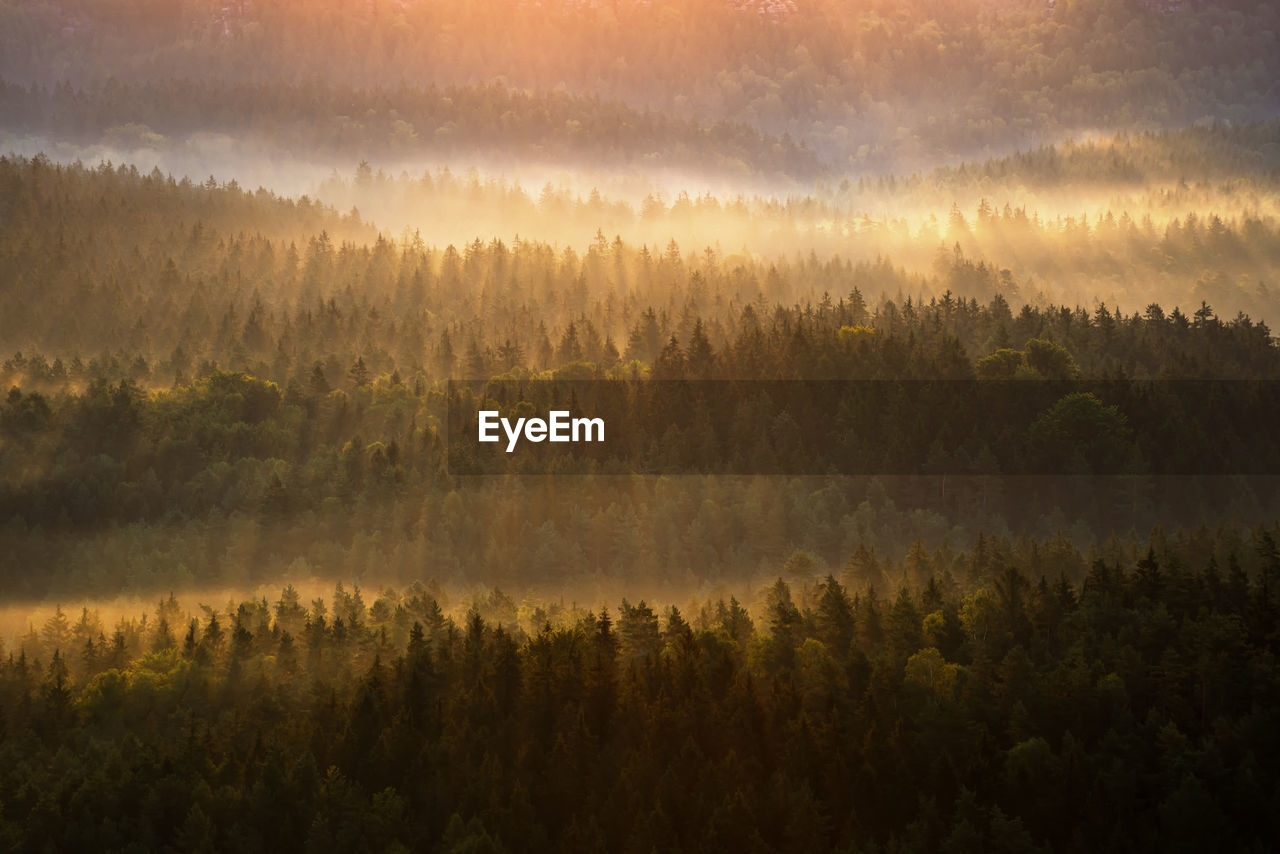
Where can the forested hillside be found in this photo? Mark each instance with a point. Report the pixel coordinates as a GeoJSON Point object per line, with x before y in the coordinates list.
{"type": "Point", "coordinates": [330, 120]}
{"type": "Point", "coordinates": [1135, 709]}
{"type": "Point", "coordinates": [928, 498]}
{"type": "Point", "coordinates": [868, 84]}
{"type": "Point", "coordinates": [217, 387]}
{"type": "Point", "coordinates": [176, 274]}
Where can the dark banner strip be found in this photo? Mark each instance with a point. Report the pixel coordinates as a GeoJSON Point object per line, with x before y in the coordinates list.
{"type": "Point", "coordinates": [816, 427]}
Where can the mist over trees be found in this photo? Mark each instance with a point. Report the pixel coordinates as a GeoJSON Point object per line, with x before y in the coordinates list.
{"type": "Point", "coordinates": [873, 84]}
{"type": "Point", "coordinates": [260, 390]}
{"type": "Point", "coordinates": [249, 600]}
{"type": "Point", "coordinates": [251, 281]}
{"type": "Point", "coordinates": [322, 119]}
{"type": "Point", "coordinates": [954, 716]}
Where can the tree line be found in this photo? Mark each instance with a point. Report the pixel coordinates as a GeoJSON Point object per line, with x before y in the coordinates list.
{"type": "Point", "coordinates": [866, 86]}
{"type": "Point", "coordinates": [337, 120]}
{"type": "Point", "coordinates": [1001, 712]}
{"type": "Point", "coordinates": [183, 279]}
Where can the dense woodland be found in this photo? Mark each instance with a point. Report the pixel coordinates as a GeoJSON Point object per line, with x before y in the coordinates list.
{"type": "Point", "coordinates": [217, 387]}
{"type": "Point", "coordinates": [177, 272]}
{"type": "Point", "coordinates": [984, 710]}
{"type": "Point", "coordinates": [1043, 615]}
{"type": "Point", "coordinates": [868, 84]}
{"type": "Point", "coordinates": [320, 120]}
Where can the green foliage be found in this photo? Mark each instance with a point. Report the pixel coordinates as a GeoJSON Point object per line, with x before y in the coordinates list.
{"type": "Point", "coordinates": [1049, 360]}
{"type": "Point", "coordinates": [1081, 434]}
{"type": "Point", "coordinates": [1128, 695]}
{"type": "Point", "coordinates": [218, 389]}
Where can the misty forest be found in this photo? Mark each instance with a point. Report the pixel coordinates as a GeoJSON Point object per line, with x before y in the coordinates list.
{"type": "Point", "coordinates": [250, 250]}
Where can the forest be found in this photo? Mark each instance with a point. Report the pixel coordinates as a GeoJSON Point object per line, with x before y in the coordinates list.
{"type": "Point", "coordinates": [1135, 708]}
{"type": "Point", "coordinates": [940, 504]}
{"type": "Point", "coordinates": [348, 124]}
{"type": "Point", "coordinates": [878, 83]}
{"type": "Point", "coordinates": [241, 410]}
